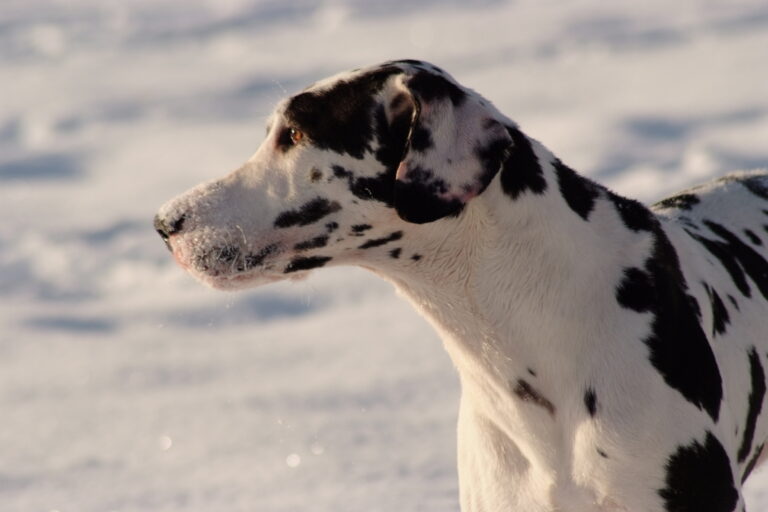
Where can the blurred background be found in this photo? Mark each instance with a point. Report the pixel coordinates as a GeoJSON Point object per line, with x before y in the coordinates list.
{"type": "Point", "coordinates": [126, 386]}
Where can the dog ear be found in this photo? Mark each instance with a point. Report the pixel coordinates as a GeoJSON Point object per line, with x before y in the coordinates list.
{"type": "Point", "coordinates": [453, 150]}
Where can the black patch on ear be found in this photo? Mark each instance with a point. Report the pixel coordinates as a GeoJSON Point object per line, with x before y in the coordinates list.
{"type": "Point", "coordinates": [680, 201]}
{"type": "Point", "coordinates": [392, 137]}
{"type": "Point", "coordinates": [418, 200]}
{"type": "Point", "coordinates": [590, 401]}
{"type": "Point", "coordinates": [307, 213]}
{"type": "Point", "coordinates": [521, 171]}
{"type": "Point", "coordinates": [395, 253]}
{"type": "Point", "coordinates": [720, 317]}
{"type": "Point", "coordinates": [491, 156]}
{"type": "Point", "coordinates": [430, 87]}
{"type": "Point", "coordinates": [421, 139]}
{"type": "Point", "coordinates": [752, 463]}
{"type": "Point", "coordinates": [699, 479]}
{"type": "Point", "coordinates": [301, 263]}
{"type": "Point", "coordinates": [634, 215]}
{"type": "Point", "coordinates": [377, 242]}
{"type": "Point", "coordinates": [753, 237]}
{"type": "Point", "coordinates": [756, 396]}
{"type": "Point", "coordinates": [313, 243]}
{"type": "Point", "coordinates": [579, 193]}
{"type": "Point", "coordinates": [398, 102]}
{"type": "Point", "coordinates": [340, 118]}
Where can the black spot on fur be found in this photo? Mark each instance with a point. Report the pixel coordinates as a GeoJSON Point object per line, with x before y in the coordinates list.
{"type": "Point", "coordinates": [297, 264]}
{"type": "Point", "coordinates": [752, 463]}
{"type": "Point", "coordinates": [602, 453]}
{"type": "Point", "coordinates": [527, 393]}
{"type": "Point", "coordinates": [590, 401]}
{"type": "Point", "coordinates": [680, 201]}
{"type": "Point", "coordinates": [315, 174]}
{"type": "Point", "coordinates": [308, 213]}
{"type": "Point", "coordinates": [332, 226]}
{"type": "Point", "coordinates": [377, 188]}
{"type": "Point", "coordinates": [737, 258]}
{"type": "Point", "coordinates": [360, 228]}
{"type": "Point", "coordinates": [720, 317]}
{"type": "Point", "coordinates": [636, 290]}
{"type": "Point", "coordinates": [421, 139]}
{"type": "Point", "coordinates": [341, 172]}
{"type": "Point", "coordinates": [579, 193]}
{"type": "Point", "coordinates": [340, 118]}
{"type": "Point", "coordinates": [521, 171]}
{"type": "Point", "coordinates": [416, 257]}
{"type": "Point", "coordinates": [314, 243]}
{"type": "Point", "coordinates": [634, 215]}
{"type": "Point", "coordinates": [756, 396]}
{"type": "Point", "coordinates": [699, 479]}
{"type": "Point", "coordinates": [257, 258]}
{"type": "Point", "coordinates": [395, 253]}
{"type": "Point", "coordinates": [722, 252]}
{"type": "Point", "coordinates": [753, 237]}
{"type": "Point", "coordinates": [430, 87]}
{"type": "Point", "coordinates": [377, 242]}
{"type": "Point", "coordinates": [530, 370]}
{"type": "Point", "coordinates": [677, 341]}
{"type": "Point", "coordinates": [733, 301]}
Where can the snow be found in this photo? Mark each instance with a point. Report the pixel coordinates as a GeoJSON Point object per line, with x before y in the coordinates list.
{"type": "Point", "coordinates": [125, 386]}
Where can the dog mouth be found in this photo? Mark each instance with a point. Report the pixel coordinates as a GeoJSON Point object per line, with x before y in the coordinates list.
{"type": "Point", "coordinates": [226, 266]}
{"type": "Point", "coordinates": [231, 260]}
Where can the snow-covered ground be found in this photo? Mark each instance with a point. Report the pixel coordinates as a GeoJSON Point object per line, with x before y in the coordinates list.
{"type": "Point", "coordinates": [125, 386]}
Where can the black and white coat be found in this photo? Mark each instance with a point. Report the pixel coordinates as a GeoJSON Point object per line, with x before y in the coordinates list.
{"type": "Point", "coordinates": [611, 356]}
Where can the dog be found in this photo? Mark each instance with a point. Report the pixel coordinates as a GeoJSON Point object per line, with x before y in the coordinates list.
{"type": "Point", "coordinates": [611, 356]}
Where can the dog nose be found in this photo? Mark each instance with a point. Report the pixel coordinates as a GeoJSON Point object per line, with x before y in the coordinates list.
{"type": "Point", "coordinates": [165, 228]}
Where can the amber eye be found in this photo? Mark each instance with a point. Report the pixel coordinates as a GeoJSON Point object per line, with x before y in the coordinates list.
{"type": "Point", "coordinates": [296, 135]}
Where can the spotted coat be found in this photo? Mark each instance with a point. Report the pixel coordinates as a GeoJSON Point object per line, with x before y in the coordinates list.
{"type": "Point", "coordinates": [612, 356]}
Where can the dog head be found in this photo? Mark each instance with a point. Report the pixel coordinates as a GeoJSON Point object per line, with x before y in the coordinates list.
{"type": "Point", "coordinates": [347, 170]}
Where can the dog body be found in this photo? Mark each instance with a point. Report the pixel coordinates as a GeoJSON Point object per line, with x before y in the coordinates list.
{"type": "Point", "coordinates": [611, 356]}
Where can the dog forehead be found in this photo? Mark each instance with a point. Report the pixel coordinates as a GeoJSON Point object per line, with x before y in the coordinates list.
{"type": "Point", "coordinates": [408, 66]}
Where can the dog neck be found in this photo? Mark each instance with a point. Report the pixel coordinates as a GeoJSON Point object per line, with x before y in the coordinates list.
{"type": "Point", "coordinates": [517, 278]}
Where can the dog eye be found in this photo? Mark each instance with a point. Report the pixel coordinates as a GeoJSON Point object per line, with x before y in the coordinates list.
{"type": "Point", "coordinates": [289, 137]}
{"type": "Point", "coordinates": [295, 135]}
